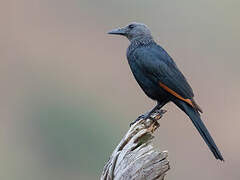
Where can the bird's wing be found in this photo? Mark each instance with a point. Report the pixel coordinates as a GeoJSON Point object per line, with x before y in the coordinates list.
{"type": "Point", "coordinates": [160, 68]}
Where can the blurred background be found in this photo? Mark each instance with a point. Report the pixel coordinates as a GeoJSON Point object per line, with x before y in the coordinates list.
{"type": "Point", "coordinates": [68, 96]}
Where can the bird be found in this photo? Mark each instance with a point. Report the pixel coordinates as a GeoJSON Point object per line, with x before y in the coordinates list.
{"type": "Point", "coordinates": [160, 78]}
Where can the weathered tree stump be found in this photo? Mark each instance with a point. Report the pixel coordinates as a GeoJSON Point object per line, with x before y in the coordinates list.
{"type": "Point", "coordinates": [135, 158]}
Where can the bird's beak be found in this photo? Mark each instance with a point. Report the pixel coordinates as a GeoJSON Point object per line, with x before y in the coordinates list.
{"type": "Point", "coordinates": [118, 31]}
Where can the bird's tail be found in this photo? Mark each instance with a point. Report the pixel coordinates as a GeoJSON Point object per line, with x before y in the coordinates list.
{"type": "Point", "coordinates": [196, 119]}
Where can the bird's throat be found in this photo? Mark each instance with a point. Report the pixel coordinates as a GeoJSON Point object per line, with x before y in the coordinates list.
{"type": "Point", "coordinates": [139, 42]}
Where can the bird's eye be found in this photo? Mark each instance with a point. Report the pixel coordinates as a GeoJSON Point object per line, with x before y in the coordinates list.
{"type": "Point", "coordinates": [131, 26]}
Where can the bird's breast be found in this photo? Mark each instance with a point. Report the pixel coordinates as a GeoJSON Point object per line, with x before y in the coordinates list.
{"type": "Point", "coordinates": [150, 87]}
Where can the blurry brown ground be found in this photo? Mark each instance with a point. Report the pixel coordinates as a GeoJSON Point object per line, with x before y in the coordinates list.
{"type": "Point", "coordinates": [67, 94]}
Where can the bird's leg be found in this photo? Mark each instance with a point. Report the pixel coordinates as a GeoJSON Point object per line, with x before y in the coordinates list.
{"type": "Point", "coordinates": [148, 114]}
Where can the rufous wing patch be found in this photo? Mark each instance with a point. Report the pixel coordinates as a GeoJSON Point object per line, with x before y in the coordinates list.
{"type": "Point", "coordinates": [189, 101]}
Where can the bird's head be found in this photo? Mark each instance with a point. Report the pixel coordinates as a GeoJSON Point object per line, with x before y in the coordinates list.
{"type": "Point", "coordinates": [132, 31]}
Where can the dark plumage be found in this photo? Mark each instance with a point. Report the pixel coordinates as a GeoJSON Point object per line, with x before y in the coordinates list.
{"type": "Point", "coordinates": [160, 79]}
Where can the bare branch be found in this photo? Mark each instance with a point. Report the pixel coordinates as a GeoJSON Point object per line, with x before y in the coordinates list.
{"type": "Point", "coordinates": [135, 158]}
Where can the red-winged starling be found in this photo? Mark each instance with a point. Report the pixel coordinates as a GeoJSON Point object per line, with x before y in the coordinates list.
{"type": "Point", "coordinates": [160, 79]}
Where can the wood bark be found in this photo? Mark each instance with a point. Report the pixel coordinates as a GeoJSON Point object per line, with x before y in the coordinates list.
{"type": "Point", "coordinates": [135, 158]}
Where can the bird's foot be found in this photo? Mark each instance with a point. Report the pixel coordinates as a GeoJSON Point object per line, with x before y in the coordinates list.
{"type": "Point", "coordinates": [139, 118]}
{"type": "Point", "coordinates": [154, 116]}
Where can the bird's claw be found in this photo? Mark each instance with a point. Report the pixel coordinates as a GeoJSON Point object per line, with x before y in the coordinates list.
{"type": "Point", "coordinates": [139, 118]}
{"type": "Point", "coordinates": [148, 115]}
